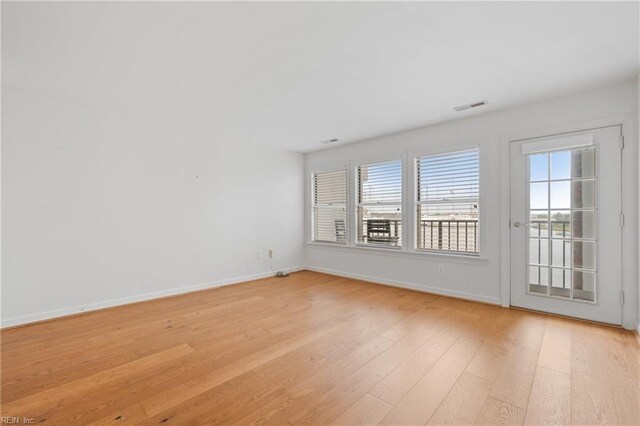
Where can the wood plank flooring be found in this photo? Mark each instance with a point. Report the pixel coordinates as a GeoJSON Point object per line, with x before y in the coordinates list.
{"type": "Point", "coordinates": [319, 349]}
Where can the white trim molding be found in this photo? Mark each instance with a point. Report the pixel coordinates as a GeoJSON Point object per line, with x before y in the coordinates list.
{"type": "Point", "coordinates": [74, 310]}
{"type": "Point", "coordinates": [557, 144]}
{"type": "Point", "coordinates": [430, 255]}
{"type": "Point", "coordinates": [410, 286]}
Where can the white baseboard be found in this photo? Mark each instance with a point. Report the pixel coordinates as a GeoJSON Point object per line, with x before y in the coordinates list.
{"type": "Point", "coordinates": [410, 286]}
{"type": "Point", "coordinates": [41, 316]}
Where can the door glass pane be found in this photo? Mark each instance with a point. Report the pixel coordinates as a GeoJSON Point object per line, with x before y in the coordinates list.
{"type": "Point", "coordinates": [539, 169]}
{"type": "Point", "coordinates": [539, 275]}
{"type": "Point", "coordinates": [561, 253]}
{"type": "Point", "coordinates": [558, 278]}
{"type": "Point", "coordinates": [538, 280]}
{"type": "Point", "coordinates": [533, 275]}
{"type": "Point", "coordinates": [561, 194]}
{"type": "Point", "coordinates": [584, 285]}
{"type": "Point", "coordinates": [562, 224]}
{"type": "Point", "coordinates": [583, 194]}
{"type": "Point", "coordinates": [539, 251]}
{"type": "Point", "coordinates": [544, 276]}
{"type": "Point", "coordinates": [583, 224]}
{"type": "Point", "coordinates": [561, 278]}
{"type": "Point", "coordinates": [538, 223]}
{"type": "Point", "coordinates": [583, 163]}
{"type": "Point", "coordinates": [584, 255]}
{"type": "Point", "coordinates": [560, 165]}
{"type": "Point", "coordinates": [560, 282]}
{"type": "Point", "coordinates": [539, 195]}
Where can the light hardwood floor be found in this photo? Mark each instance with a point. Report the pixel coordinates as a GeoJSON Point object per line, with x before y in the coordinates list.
{"type": "Point", "coordinates": [315, 348]}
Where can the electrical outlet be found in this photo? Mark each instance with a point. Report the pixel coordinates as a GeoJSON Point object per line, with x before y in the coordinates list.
{"type": "Point", "coordinates": [259, 255]}
{"type": "Point", "coordinates": [441, 269]}
{"type": "Point", "coordinates": [270, 253]}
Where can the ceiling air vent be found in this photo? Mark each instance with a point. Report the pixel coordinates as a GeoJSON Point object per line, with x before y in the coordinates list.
{"type": "Point", "coordinates": [328, 141]}
{"type": "Point", "coordinates": [469, 106]}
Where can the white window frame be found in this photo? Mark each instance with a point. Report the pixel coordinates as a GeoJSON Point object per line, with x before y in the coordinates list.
{"type": "Point", "coordinates": [483, 145]}
{"type": "Point", "coordinates": [353, 207]}
{"type": "Point", "coordinates": [414, 164]}
{"type": "Point", "coordinates": [310, 214]}
{"type": "Point", "coordinates": [409, 205]}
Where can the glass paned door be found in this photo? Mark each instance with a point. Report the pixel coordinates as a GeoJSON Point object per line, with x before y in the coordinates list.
{"type": "Point", "coordinates": [565, 234]}
{"type": "Point", "coordinates": [562, 221]}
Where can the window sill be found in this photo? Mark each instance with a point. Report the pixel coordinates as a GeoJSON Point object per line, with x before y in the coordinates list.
{"type": "Point", "coordinates": [399, 252]}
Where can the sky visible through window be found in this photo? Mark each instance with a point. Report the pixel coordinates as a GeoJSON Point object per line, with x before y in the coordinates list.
{"type": "Point", "coordinates": [562, 223]}
{"type": "Point", "coordinates": [554, 166]}
{"type": "Point", "coordinates": [432, 181]}
{"type": "Point", "coordinates": [382, 181]}
{"type": "Point", "coordinates": [452, 176]}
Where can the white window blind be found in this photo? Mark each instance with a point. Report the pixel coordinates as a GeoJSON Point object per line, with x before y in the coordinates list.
{"type": "Point", "coordinates": [448, 192]}
{"type": "Point", "coordinates": [379, 203]}
{"type": "Point", "coordinates": [330, 206]}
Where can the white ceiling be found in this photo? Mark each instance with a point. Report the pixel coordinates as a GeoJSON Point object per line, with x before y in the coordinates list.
{"type": "Point", "coordinates": [293, 74]}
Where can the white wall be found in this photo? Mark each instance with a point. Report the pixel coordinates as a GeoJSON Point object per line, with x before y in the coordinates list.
{"type": "Point", "coordinates": [480, 279]}
{"type": "Point", "coordinates": [101, 208]}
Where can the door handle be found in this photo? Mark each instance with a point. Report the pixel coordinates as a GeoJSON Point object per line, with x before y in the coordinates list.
{"type": "Point", "coordinates": [517, 224]}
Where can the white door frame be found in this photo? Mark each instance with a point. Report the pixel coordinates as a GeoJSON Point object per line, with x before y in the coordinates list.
{"type": "Point", "coordinates": [630, 181]}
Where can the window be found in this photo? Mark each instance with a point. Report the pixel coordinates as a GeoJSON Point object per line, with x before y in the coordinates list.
{"type": "Point", "coordinates": [379, 204]}
{"type": "Point", "coordinates": [447, 195]}
{"type": "Point", "coordinates": [562, 223]}
{"type": "Point", "coordinates": [330, 206]}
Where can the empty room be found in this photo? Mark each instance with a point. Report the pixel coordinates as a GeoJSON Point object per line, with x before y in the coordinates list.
{"type": "Point", "coordinates": [322, 213]}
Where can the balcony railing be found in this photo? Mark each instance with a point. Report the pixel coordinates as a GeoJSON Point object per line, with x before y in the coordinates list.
{"type": "Point", "coordinates": [445, 235]}
{"type": "Point", "coordinates": [560, 228]}
{"type": "Point", "coordinates": [449, 235]}
{"type": "Point", "coordinates": [539, 253]}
